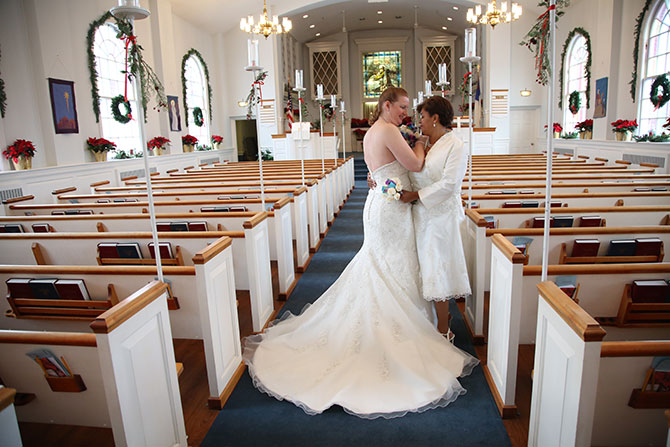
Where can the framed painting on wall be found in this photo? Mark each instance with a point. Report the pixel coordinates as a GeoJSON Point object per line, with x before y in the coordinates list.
{"type": "Point", "coordinates": [63, 106]}
{"type": "Point", "coordinates": [601, 98]}
{"type": "Point", "coordinates": [173, 112]}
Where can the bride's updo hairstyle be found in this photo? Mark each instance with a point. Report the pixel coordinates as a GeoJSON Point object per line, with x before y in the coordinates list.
{"type": "Point", "coordinates": [437, 105]}
{"type": "Point", "coordinates": [390, 94]}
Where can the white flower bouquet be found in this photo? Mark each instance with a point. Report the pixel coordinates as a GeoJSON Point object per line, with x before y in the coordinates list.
{"type": "Point", "coordinates": [392, 189]}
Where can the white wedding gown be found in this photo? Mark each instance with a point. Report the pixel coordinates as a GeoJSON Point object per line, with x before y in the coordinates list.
{"type": "Point", "coordinates": [367, 343]}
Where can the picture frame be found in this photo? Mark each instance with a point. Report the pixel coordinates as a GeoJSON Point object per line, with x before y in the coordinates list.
{"type": "Point", "coordinates": [600, 109]}
{"type": "Point", "coordinates": [63, 106]}
{"type": "Point", "coordinates": [174, 114]}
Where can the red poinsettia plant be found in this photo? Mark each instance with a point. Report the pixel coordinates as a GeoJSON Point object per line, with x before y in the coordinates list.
{"type": "Point", "coordinates": [667, 124]}
{"type": "Point", "coordinates": [99, 145]}
{"type": "Point", "coordinates": [217, 139]}
{"type": "Point", "coordinates": [557, 127]}
{"type": "Point", "coordinates": [624, 125]}
{"type": "Point", "coordinates": [189, 139]}
{"type": "Point", "coordinates": [585, 126]}
{"type": "Point", "coordinates": [157, 142]}
{"type": "Point", "coordinates": [20, 148]}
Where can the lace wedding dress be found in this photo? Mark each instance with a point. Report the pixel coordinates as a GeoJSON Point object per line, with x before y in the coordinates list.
{"type": "Point", "coordinates": [367, 343]}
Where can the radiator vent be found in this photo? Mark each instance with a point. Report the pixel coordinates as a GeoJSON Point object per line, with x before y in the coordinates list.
{"type": "Point", "coordinates": [6, 194]}
{"type": "Point", "coordinates": [210, 161]}
{"type": "Point", "coordinates": [562, 150]}
{"type": "Point", "coordinates": [637, 159]}
{"type": "Point", "coordinates": [139, 173]}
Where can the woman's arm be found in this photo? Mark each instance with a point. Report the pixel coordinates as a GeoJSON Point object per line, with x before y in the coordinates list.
{"type": "Point", "coordinates": [410, 158]}
{"type": "Point", "coordinates": [452, 178]}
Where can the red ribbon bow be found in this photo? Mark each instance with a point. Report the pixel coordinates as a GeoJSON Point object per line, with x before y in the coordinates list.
{"type": "Point", "coordinates": [128, 40]}
{"type": "Point", "coordinates": [260, 92]}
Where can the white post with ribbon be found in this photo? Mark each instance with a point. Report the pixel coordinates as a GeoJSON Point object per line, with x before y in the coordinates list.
{"type": "Point", "coordinates": [255, 68]}
{"type": "Point", "coordinates": [300, 89]}
{"type": "Point", "coordinates": [470, 58]}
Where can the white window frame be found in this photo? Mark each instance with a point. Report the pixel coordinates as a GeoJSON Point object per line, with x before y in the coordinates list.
{"type": "Point", "coordinates": [569, 120]}
{"type": "Point", "coordinates": [322, 47]}
{"type": "Point", "coordinates": [207, 139]}
{"type": "Point", "coordinates": [440, 41]}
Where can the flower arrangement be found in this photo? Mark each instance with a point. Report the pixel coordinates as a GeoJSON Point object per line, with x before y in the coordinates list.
{"type": "Point", "coordinates": [189, 139]}
{"type": "Point", "coordinates": [624, 125]}
{"type": "Point", "coordinates": [408, 132]}
{"type": "Point", "coordinates": [100, 145]}
{"type": "Point", "coordinates": [653, 138]}
{"type": "Point", "coordinates": [20, 148]}
{"type": "Point", "coordinates": [392, 189]}
{"type": "Point", "coordinates": [557, 128]}
{"type": "Point", "coordinates": [157, 142]}
{"type": "Point", "coordinates": [585, 126]}
{"type": "Point", "coordinates": [218, 139]}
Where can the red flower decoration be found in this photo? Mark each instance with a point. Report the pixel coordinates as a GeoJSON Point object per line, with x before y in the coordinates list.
{"type": "Point", "coordinates": [157, 142]}
{"type": "Point", "coordinates": [189, 139]}
{"type": "Point", "coordinates": [217, 139]}
{"type": "Point", "coordinates": [20, 148]}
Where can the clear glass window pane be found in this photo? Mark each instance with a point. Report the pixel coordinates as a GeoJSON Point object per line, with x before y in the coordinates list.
{"type": "Point", "coordinates": [196, 96]}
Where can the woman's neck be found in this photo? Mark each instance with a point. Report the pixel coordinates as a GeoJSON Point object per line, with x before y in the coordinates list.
{"type": "Point", "coordinates": [437, 134]}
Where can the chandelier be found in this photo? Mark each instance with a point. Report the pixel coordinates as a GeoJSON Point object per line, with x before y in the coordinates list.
{"type": "Point", "coordinates": [493, 15]}
{"type": "Point", "coordinates": [264, 25]}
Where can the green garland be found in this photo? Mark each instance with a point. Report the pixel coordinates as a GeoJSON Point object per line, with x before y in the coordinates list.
{"type": "Point", "coordinates": [3, 98]}
{"type": "Point", "coordinates": [575, 102]}
{"type": "Point", "coordinates": [122, 118]}
{"type": "Point", "coordinates": [587, 68]}
{"type": "Point", "coordinates": [196, 53]}
{"type": "Point", "coordinates": [197, 117]}
{"type": "Point", "coordinates": [636, 48]}
{"type": "Point", "coordinates": [149, 80]}
{"type": "Point", "coordinates": [659, 100]}
{"type": "Point", "coordinates": [251, 97]}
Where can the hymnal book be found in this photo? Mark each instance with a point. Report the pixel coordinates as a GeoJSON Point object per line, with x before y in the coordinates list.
{"type": "Point", "coordinates": [207, 209]}
{"type": "Point", "coordinates": [509, 191]}
{"type": "Point", "coordinates": [84, 212]}
{"type": "Point", "coordinates": [2, 229]}
{"type": "Point", "coordinates": [661, 378]}
{"type": "Point", "coordinates": [163, 226]}
{"type": "Point", "coordinates": [41, 228]}
{"type": "Point", "coordinates": [568, 284]}
{"type": "Point", "coordinates": [650, 291]}
{"type": "Point", "coordinates": [512, 204]}
{"type": "Point", "coordinates": [562, 221]}
{"type": "Point", "coordinates": [19, 288]}
{"type": "Point", "coordinates": [231, 197]}
{"type": "Point", "coordinates": [119, 200]}
{"type": "Point", "coordinates": [590, 221]}
{"type": "Point", "coordinates": [13, 228]}
{"type": "Point", "coordinates": [102, 201]}
{"type": "Point", "coordinates": [659, 188]}
{"type": "Point", "coordinates": [73, 200]}
{"type": "Point", "coordinates": [72, 289]}
{"type": "Point", "coordinates": [178, 226]}
{"type": "Point", "coordinates": [165, 248]}
{"type": "Point", "coordinates": [58, 213]}
{"type": "Point", "coordinates": [642, 189]}
{"type": "Point", "coordinates": [238, 208]}
{"type": "Point", "coordinates": [621, 247]}
{"type": "Point", "coordinates": [494, 193]}
{"type": "Point", "coordinates": [556, 204]}
{"type": "Point", "coordinates": [107, 250]}
{"type": "Point", "coordinates": [648, 246]}
{"type": "Point", "coordinates": [132, 200]}
{"type": "Point", "coordinates": [474, 205]}
{"type": "Point", "coordinates": [197, 226]}
{"type": "Point", "coordinates": [527, 191]}
{"type": "Point", "coordinates": [44, 288]}
{"type": "Point", "coordinates": [530, 204]}
{"type": "Point", "coordinates": [538, 222]}
{"type": "Point", "coordinates": [522, 243]}
{"type": "Point", "coordinates": [490, 221]}
{"type": "Point", "coordinates": [129, 250]}
{"type": "Point", "coordinates": [585, 247]}
{"type": "Point", "coordinates": [71, 212]}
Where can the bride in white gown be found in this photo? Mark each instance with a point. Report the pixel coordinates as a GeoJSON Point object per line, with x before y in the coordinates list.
{"type": "Point", "coordinates": [367, 343]}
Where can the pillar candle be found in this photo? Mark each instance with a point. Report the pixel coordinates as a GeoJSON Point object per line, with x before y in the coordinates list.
{"type": "Point", "coordinates": [252, 53]}
{"type": "Point", "coordinates": [429, 88]}
{"type": "Point", "coordinates": [298, 78]}
{"type": "Point", "coordinates": [443, 73]}
{"type": "Point", "coordinates": [319, 91]}
{"type": "Point", "coordinates": [415, 102]}
{"type": "Point", "coordinates": [333, 101]}
{"type": "Point", "coordinates": [342, 106]}
{"type": "Point", "coordinates": [420, 97]}
{"type": "Point", "coordinates": [470, 42]}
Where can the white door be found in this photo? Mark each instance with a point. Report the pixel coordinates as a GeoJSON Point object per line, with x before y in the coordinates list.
{"type": "Point", "coordinates": [523, 123]}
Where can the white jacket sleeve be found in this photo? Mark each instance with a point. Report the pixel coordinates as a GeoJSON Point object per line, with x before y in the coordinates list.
{"type": "Point", "coordinates": [451, 180]}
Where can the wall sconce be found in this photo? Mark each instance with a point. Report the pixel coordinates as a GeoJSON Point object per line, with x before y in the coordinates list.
{"type": "Point", "coordinates": [525, 92]}
{"type": "Point", "coordinates": [242, 103]}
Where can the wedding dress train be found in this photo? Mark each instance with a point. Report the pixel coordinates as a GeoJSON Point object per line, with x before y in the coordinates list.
{"type": "Point", "coordinates": [367, 344]}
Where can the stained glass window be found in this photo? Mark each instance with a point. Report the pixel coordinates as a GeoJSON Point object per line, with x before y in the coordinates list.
{"type": "Point", "coordinates": [381, 69]}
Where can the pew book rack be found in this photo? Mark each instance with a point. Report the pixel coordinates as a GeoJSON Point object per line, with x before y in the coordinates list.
{"type": "Point", "coordinates": [565, 259]}
{"type": "Point", "coordinates": [636, 314]}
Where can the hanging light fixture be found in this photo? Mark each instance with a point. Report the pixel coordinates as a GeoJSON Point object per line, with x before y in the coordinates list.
{"type": "Point", "coordinates": [493, 15]}
{"type": "Point", "coordinates": [265, 26]}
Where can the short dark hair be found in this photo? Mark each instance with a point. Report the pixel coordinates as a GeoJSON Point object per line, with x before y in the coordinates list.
{"type": "Point", "coordinates": [437, 105]}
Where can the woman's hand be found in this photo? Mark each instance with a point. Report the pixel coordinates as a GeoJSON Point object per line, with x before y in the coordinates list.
{"type": "Point", "coordinates": [371, 183]}
{"type": "Point", "coordinates": [409, 196]}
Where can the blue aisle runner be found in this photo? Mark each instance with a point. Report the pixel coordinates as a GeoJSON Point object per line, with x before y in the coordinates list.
{"type": "Point", "coordinates": [251, 418]}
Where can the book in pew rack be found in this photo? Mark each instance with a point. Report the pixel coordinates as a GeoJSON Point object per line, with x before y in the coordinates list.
{"type": "Point", "coordinates": [107, 250]}
{"type": "Point", "coordinates": [568, 285]}
{"type": "Point", "coordinates": [129, 250]}
{"type": "Point", "coordinates": [585, 248]}
{"type": "Point", "coordinates": [163, 226]}
{"type": "Point", "coordinates": [590, 221]}
{"type": "Point", "coordinates": [562, 221]}
{"type": "Point", "coordinates": [41, 228]}
{"type": "Point", "coordinates": [197, 226]}
{"type": "Point", "coordinates": [11, 228]}
{"type": "Point", "coordinates": [44, 288]}
{"type": "Point", "coordinates": [648, 246]}
{"type": "Point", "coordinates": [19, 288]}
{"type": "Point", "coordinates": [165, 250]}
{"type": "Point", "coordinates": [621, 247]}
{"type": "Point", "coordinates": [650, 291]}
{"type": "Point", "coordinates": [72, 289]}
{"type": "Point", "coordinates": [178, 226]}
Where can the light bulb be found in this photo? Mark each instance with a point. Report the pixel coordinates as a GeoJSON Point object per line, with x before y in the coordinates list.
{"type": "Point", "coordinates": [478, 10]}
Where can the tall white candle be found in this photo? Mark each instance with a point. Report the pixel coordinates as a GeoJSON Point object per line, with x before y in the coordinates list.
{"type": "Point", "coordinates": [298, 78]}
{"type": "Point", "coordinates": [135, 3]}
{"type": "Point", "coordinates": [470, 42]}
{"type": "Point", "coordinates": [319, 91]}
{"type": "Point", "coordinates": [342, 106]}
{"type": "Point", "coordinates": [429, 88]}
{"type": "Point", "coordinates": [443, 73]}
{"type": "Point", "coordinates": [333, 101]}
{"type": "Point", "coordinates": [415, 102]}
{"type": "Point", "coordinates": [252, 52]}
{"type": "Point", "coordinates": [420, 97]}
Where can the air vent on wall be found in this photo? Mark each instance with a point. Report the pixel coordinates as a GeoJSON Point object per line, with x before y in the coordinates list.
{"type": "Point", "coordinates": [210, 161]}
{"type": "Point", "coordinates": [139, 173]}
{"type": "Point", "coordinates": [561, 150]}
{"type": "Point", "coordinates": [6, 194]}
{"type": "Point", "coordinates": [637, 159]}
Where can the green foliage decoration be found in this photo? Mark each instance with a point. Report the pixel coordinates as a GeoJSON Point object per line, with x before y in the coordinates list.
{"type": "Point", "coordinates": [587, 68]}
{"type": "Point", "coordinates": [198, 119]}
{"type": "Point", "coordinates": [3, 99]}
{"type": "Point", "coordinates": [636, 47]}
{"type": "Point", "coordinates": [196, 53]}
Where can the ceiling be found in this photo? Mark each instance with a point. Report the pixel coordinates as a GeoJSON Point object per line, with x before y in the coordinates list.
{"type": "Point", "coordinates": [218, 16]}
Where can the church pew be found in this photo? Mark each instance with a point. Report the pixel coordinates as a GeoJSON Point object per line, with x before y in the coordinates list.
{"type": "Point", "coordinates": [594, 199]}
{"type": "Point", "coordinates": [9, 426]}
{"type": "Point", "coordinates": [562, 188]}
{"type": "Point", "coordinates": [583, 382]}
{"type": "Point", "coordinates": [477, 242]}
{"type": "Point", "coordinates": [281, 245]}
{"type": "Point", "coordinates": [513, 306]}
{"type": "Point", "coordinates": [585, 178]}
{"type": "Point", "coordinates": [126, 368]}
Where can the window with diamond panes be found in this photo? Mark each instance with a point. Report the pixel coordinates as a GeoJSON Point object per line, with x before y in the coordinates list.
{"type": "Point", "coordinates": [575, 80]}
{"type": "Point", "coordinates": [656, 61]}
{"type": "Point", "coordinates": [109, 56]}
{"type": "Point", "coordinates": [324, 71]}
{"type": "Point", "coordinates": [436, 55]}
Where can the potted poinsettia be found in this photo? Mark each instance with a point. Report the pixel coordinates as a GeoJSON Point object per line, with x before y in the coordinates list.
{"type": "Point", "coordinates": [623, 129]}
{"type": "Point", "coordinates": [189, 142]}
{"type": "Point", "coordinates": [99, 147]}
{"type": "Point", "coordinates": [557, 129]}
{"type": "Point", "coordinates": [216, 141]}
{"type": "Point", "coordinates": [157, 145]}
{"type": "Point", "coordinates": [585, 129]}
{"type": "Point", "coordinates": [21, 152]}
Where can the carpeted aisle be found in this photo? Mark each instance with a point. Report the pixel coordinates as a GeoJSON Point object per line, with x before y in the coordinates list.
{"type": "Point", "coordinates": [251, 418]}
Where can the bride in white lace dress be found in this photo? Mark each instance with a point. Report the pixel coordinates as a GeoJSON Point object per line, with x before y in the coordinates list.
{"type": "Point", "coordinates": [367, 343]}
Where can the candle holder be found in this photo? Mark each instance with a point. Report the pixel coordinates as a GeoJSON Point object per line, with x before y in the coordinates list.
{"type": "Point", "coordinates": [320, 100]}
{"type": "Point", "coordinates": [299, 89]}
{"type": "Point", "coordinates": [257, 69]}
{"type": "Point", "coordinates": [344, 141]}
{"type": "Point", "coordinates": [442, 86]}
{"type": "Point", "coordinates": [470, 58]}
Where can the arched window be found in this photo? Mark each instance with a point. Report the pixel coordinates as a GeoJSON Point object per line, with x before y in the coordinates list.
{"type": "Point", "coordinates": [575, 79]}
{"type": "Point", "coordinates": [196, 96]}
{"type": "Point", "coordinates": [110, 54]}
{"type": "Point", "coordinates": [655, 62]}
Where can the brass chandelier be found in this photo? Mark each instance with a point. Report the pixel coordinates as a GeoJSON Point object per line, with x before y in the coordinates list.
{"type": "Point", "coordinates": [493, 15]}
{"type": "Point", "coordinates": [265, 26]}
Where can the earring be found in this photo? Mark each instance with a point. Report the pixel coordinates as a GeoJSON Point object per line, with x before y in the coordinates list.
{"type": "Point", "coordinates": [433, 124]}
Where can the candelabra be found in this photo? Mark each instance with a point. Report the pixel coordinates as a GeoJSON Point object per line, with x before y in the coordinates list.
{"type": "Point", "coordinates": [299, 89]}
{"type": "Point", "coordinates": [320, 99]}
{"type": "Point", "coordinates": [255, 68]}
{"type": "Point", "coordinates": [470, 58]}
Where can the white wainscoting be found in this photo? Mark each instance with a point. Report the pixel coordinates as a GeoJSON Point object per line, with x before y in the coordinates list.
{"type": "Point", "coordinates": [657, 153]}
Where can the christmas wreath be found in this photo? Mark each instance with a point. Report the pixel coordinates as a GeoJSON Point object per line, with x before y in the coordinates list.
{"type": "Point", "coordinates": [575, 102]}
{"type": "Point", "coordinates": [660, 99]}
{"type": "Point", "coordinates": [198, 119]}
{"type": "Point", "coordinates": [116, 113]}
